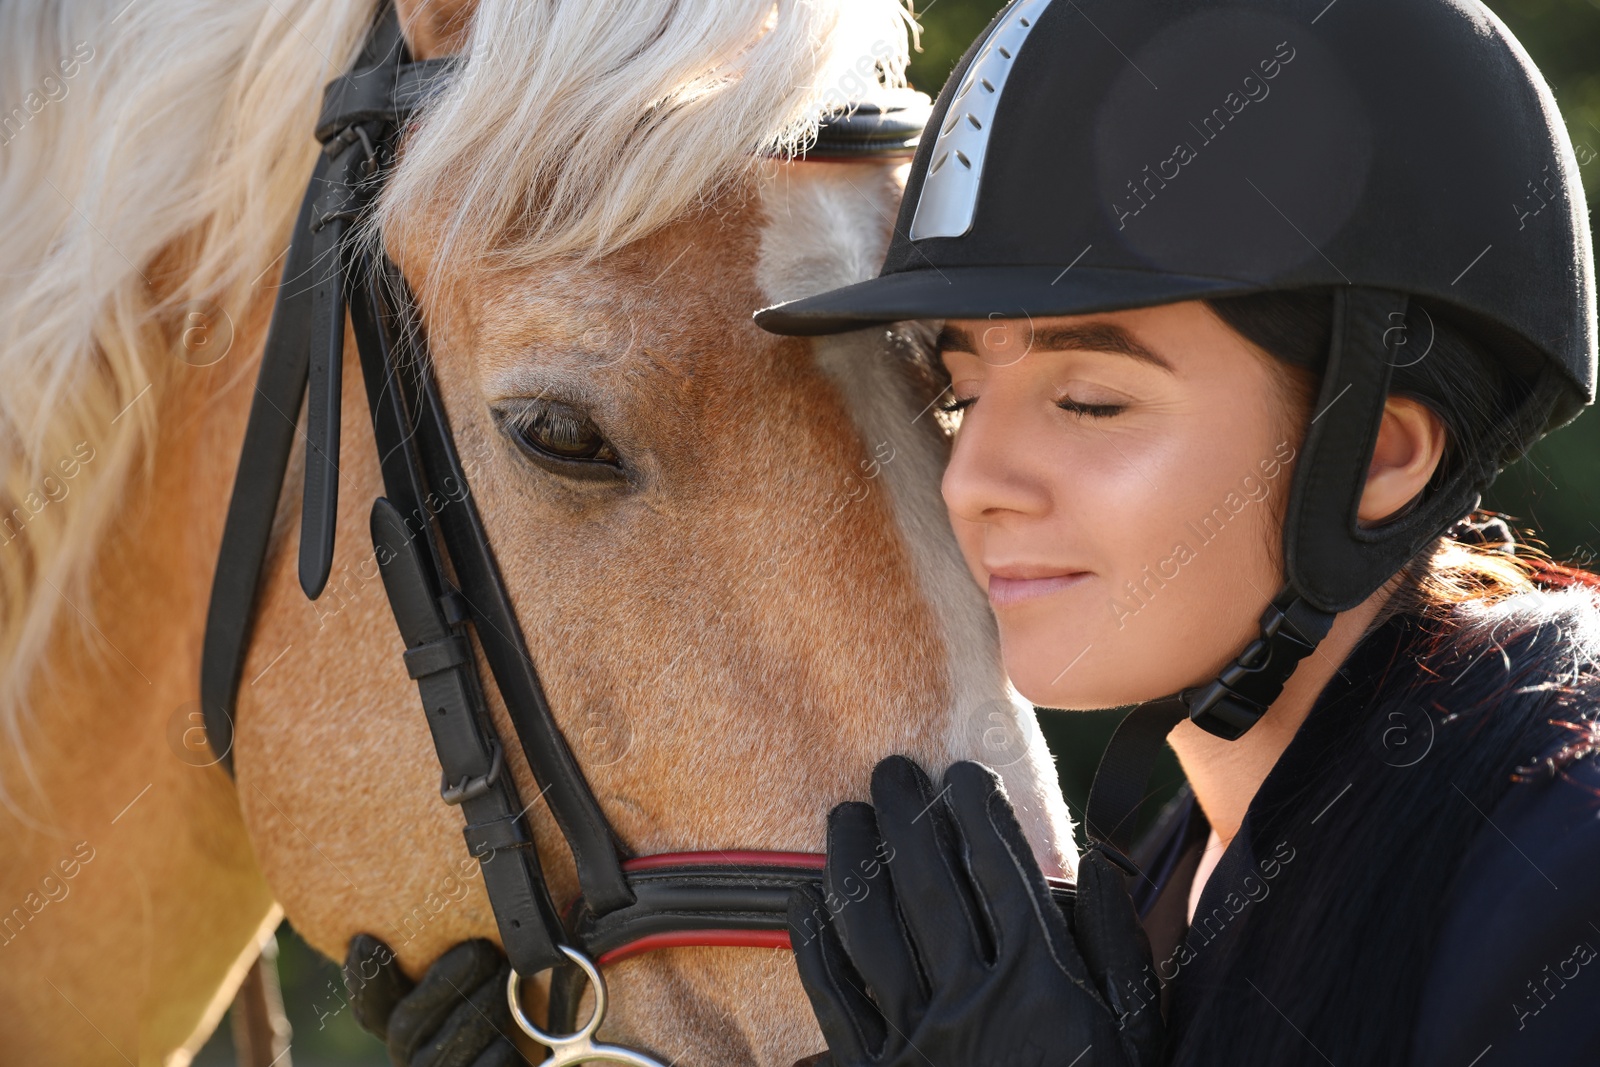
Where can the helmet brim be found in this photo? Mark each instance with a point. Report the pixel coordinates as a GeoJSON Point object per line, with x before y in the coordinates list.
{"type": "Point", "coordinates": [988, 292]}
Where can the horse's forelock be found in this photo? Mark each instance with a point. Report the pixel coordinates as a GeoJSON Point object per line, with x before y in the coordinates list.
{"type": "Point", "coordinates": [570, 135]}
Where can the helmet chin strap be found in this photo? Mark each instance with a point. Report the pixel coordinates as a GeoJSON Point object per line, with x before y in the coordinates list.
{"type": "Point", "coordinates": [1331, 562]}
{"type": "Point", "coordinates": [1227, 706]}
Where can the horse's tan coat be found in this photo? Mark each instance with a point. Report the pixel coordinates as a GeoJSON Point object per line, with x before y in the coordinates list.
{"type": "Point", "coordinates": [734, 641]}
{"type": "Point", "coordinates": [730, 644]}
{"type": "Point", "coordinates": [145, 945]}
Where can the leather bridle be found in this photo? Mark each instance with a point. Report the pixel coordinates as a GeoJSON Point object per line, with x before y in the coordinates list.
{"type": "Point", "coordinates": [443, 582]}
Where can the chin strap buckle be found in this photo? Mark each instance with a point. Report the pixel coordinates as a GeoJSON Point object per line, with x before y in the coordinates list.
{"type": "Point", "coordinates": [1291, 629]}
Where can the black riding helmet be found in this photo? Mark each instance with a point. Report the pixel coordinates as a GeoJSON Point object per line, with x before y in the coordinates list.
{"type": "Point", "coordinates": [1096, 155]}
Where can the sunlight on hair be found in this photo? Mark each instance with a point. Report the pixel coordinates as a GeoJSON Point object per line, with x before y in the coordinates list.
{"type": "Point", "coordinates": [1455, 572]}
{"type": "Point", "coordinates": [168, 173]}
{"type": "Point", "coordinates": [570, 135]}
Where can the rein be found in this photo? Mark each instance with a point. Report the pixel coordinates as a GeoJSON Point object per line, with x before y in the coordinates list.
{"type": "Point", "coordinates": [443, 583]}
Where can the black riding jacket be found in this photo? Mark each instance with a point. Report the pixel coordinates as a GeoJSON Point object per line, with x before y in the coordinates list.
{"type": "Point", "coordinates": [1418, 880]}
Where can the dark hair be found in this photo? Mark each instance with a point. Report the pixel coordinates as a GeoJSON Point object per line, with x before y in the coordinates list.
{"type": "Point", "coordinates": [1336, 959]}
{"type": "Point", "coordinates": [1471, 373]}
{"type": "Point", "coordinates": [1466, 370]}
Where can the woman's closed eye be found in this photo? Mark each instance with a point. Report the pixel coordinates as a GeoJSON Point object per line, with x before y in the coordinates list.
{"type": "Point", "coordinates": [956, 405]}
{"type": "Point", "coordinates": [1093, 411]}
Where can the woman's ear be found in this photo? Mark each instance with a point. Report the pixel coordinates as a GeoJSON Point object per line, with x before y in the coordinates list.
{"type": "Point", "coordinates": [1410, 446]}
{"type": "Point", "coordinates": [434, 28]}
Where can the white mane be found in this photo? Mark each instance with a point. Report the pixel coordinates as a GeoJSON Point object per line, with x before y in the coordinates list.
{"type": "Point", "coordinates": [167, 166]}
{"type": "Point", "coordinates": [569, 133]}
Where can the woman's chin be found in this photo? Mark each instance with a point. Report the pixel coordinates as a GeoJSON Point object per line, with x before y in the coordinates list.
{"type": "Point", "coordinates": [1090, 677]}
{"type": "Point", "coordinates": [1081, 698]}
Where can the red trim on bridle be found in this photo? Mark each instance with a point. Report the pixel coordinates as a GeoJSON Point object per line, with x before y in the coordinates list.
{"type": "Point", "coordinates": [806, 861]}
{"type": "Point", "coordinates": [697, 938]}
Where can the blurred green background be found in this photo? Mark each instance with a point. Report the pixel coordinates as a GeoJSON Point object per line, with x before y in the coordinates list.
{"type": "Point", "coordinates": [1555, 490]}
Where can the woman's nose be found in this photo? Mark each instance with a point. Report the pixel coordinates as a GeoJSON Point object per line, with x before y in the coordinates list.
{"type": "Point", "coordinates": [993, 469]}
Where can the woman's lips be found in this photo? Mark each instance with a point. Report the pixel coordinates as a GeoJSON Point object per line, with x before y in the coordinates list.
{"type": "Point", "coordinates": [1004, 592]}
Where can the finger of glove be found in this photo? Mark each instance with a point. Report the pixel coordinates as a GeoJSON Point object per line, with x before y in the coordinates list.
{"type": "Point", "coordinates": [1117, 951]}
{"type": "Point", "coordinates": [375, 981]}
{"type": "Point", "coordinates": [501, 1054]}
{"type": "Point", "coordinates": [480, 1021]}
{"type": "Point", "coordinates": [851, 1024]}
{"type": "Point", "coordinates": [1001, 863]}
{"type": "Point", "coordinates": [923, 851]}
{"type": "Point", "coordinates": [445, 985]}
{"type": "Point", "coordinates": [863, 895]}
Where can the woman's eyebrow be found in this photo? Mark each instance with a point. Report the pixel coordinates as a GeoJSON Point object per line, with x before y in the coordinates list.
{"type": "Point", "coordinates": [1090, 337]}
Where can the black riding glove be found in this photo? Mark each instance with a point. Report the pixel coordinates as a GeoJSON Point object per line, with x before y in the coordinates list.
{"type": "Point", "coordinates": [457, 1016]}
{"type": "Point", "coordinates": [938, 943]}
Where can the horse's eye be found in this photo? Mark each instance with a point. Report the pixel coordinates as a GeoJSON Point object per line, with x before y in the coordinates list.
{"type": "Point", "coordinates": [549, 430]}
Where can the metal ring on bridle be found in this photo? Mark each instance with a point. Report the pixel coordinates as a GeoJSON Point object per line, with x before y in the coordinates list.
{"type": "Point", "coordinates": [579, 1046]}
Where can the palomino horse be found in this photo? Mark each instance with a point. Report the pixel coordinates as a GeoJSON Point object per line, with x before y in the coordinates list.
{"type": "Point", "coordinates": [758, 600]}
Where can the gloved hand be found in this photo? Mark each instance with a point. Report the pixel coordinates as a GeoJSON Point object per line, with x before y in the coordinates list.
{"type": "Point", "coordinates": [457, 1016]}
{"type": "Point", "coordinates": [938, 943]}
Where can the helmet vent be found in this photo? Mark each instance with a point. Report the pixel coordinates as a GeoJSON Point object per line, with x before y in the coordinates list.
{"type": "Point", "coordinates": [949, 195]}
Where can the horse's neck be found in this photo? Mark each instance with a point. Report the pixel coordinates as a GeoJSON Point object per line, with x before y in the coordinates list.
{"type": "Point", "coordinates": [129, 889]}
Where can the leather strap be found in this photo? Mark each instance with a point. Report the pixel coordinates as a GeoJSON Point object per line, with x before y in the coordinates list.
{"type": "Point", "coordinates": [435, 657]}
{"type": "Point", "coordinates": [404, 396]}
{"type": "Point", "coordinates": [381, 93]}
{"type": "Point", "coordinates": [458, 718]}
{"type": "Point", "coordinates": [433, 625]}
{"type": "Point", "coordinates": [426, 528]}
{"type": "Point", "coordinates": [336, 209]}
{"type": "Point", "coordinates": [692, 899]}
{"type": "Point", "coordinates": [362, 113]}
{"type": "Point", "coordinates": [275, 411]}
{"type": "Point", "coordinates": [307, 339]}
{"type": "Point", "coordinates": [257, 483]}
{"type": "Point", "coordinates": [508, 831]}
{"type": "Point", "coordinates": [595, 850]}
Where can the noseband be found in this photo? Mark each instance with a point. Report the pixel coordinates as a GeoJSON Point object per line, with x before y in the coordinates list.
{"type": "Point", "coordinates": [442, 580]}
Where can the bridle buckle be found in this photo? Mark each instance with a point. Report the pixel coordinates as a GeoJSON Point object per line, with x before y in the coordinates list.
{"type": "Point", "coordinates": [473, 788]}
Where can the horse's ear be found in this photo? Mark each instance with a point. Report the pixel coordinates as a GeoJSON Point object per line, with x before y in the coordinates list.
{"type": "Point", "coordinates": [434, 28]}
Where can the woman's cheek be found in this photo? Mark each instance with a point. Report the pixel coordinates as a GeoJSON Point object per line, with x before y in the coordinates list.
{"type": "Point", "coordinates": [1183, 566]}
{"type": "Point", "coordinates": [1116, 513]}
{"type": "Point", "coordinates": [1200, 594]}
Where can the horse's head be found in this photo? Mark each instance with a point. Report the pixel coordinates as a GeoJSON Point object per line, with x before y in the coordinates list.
{"type": "Point", "coordinates": [727, 550]}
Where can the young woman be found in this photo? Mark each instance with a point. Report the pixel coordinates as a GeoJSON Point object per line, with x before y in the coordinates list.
{"type": "Point", "coordinates": [1243, 306]}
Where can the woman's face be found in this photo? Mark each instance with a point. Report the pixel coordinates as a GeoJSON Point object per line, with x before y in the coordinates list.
{"type": "Point", "coordinates": [1116, 486]}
